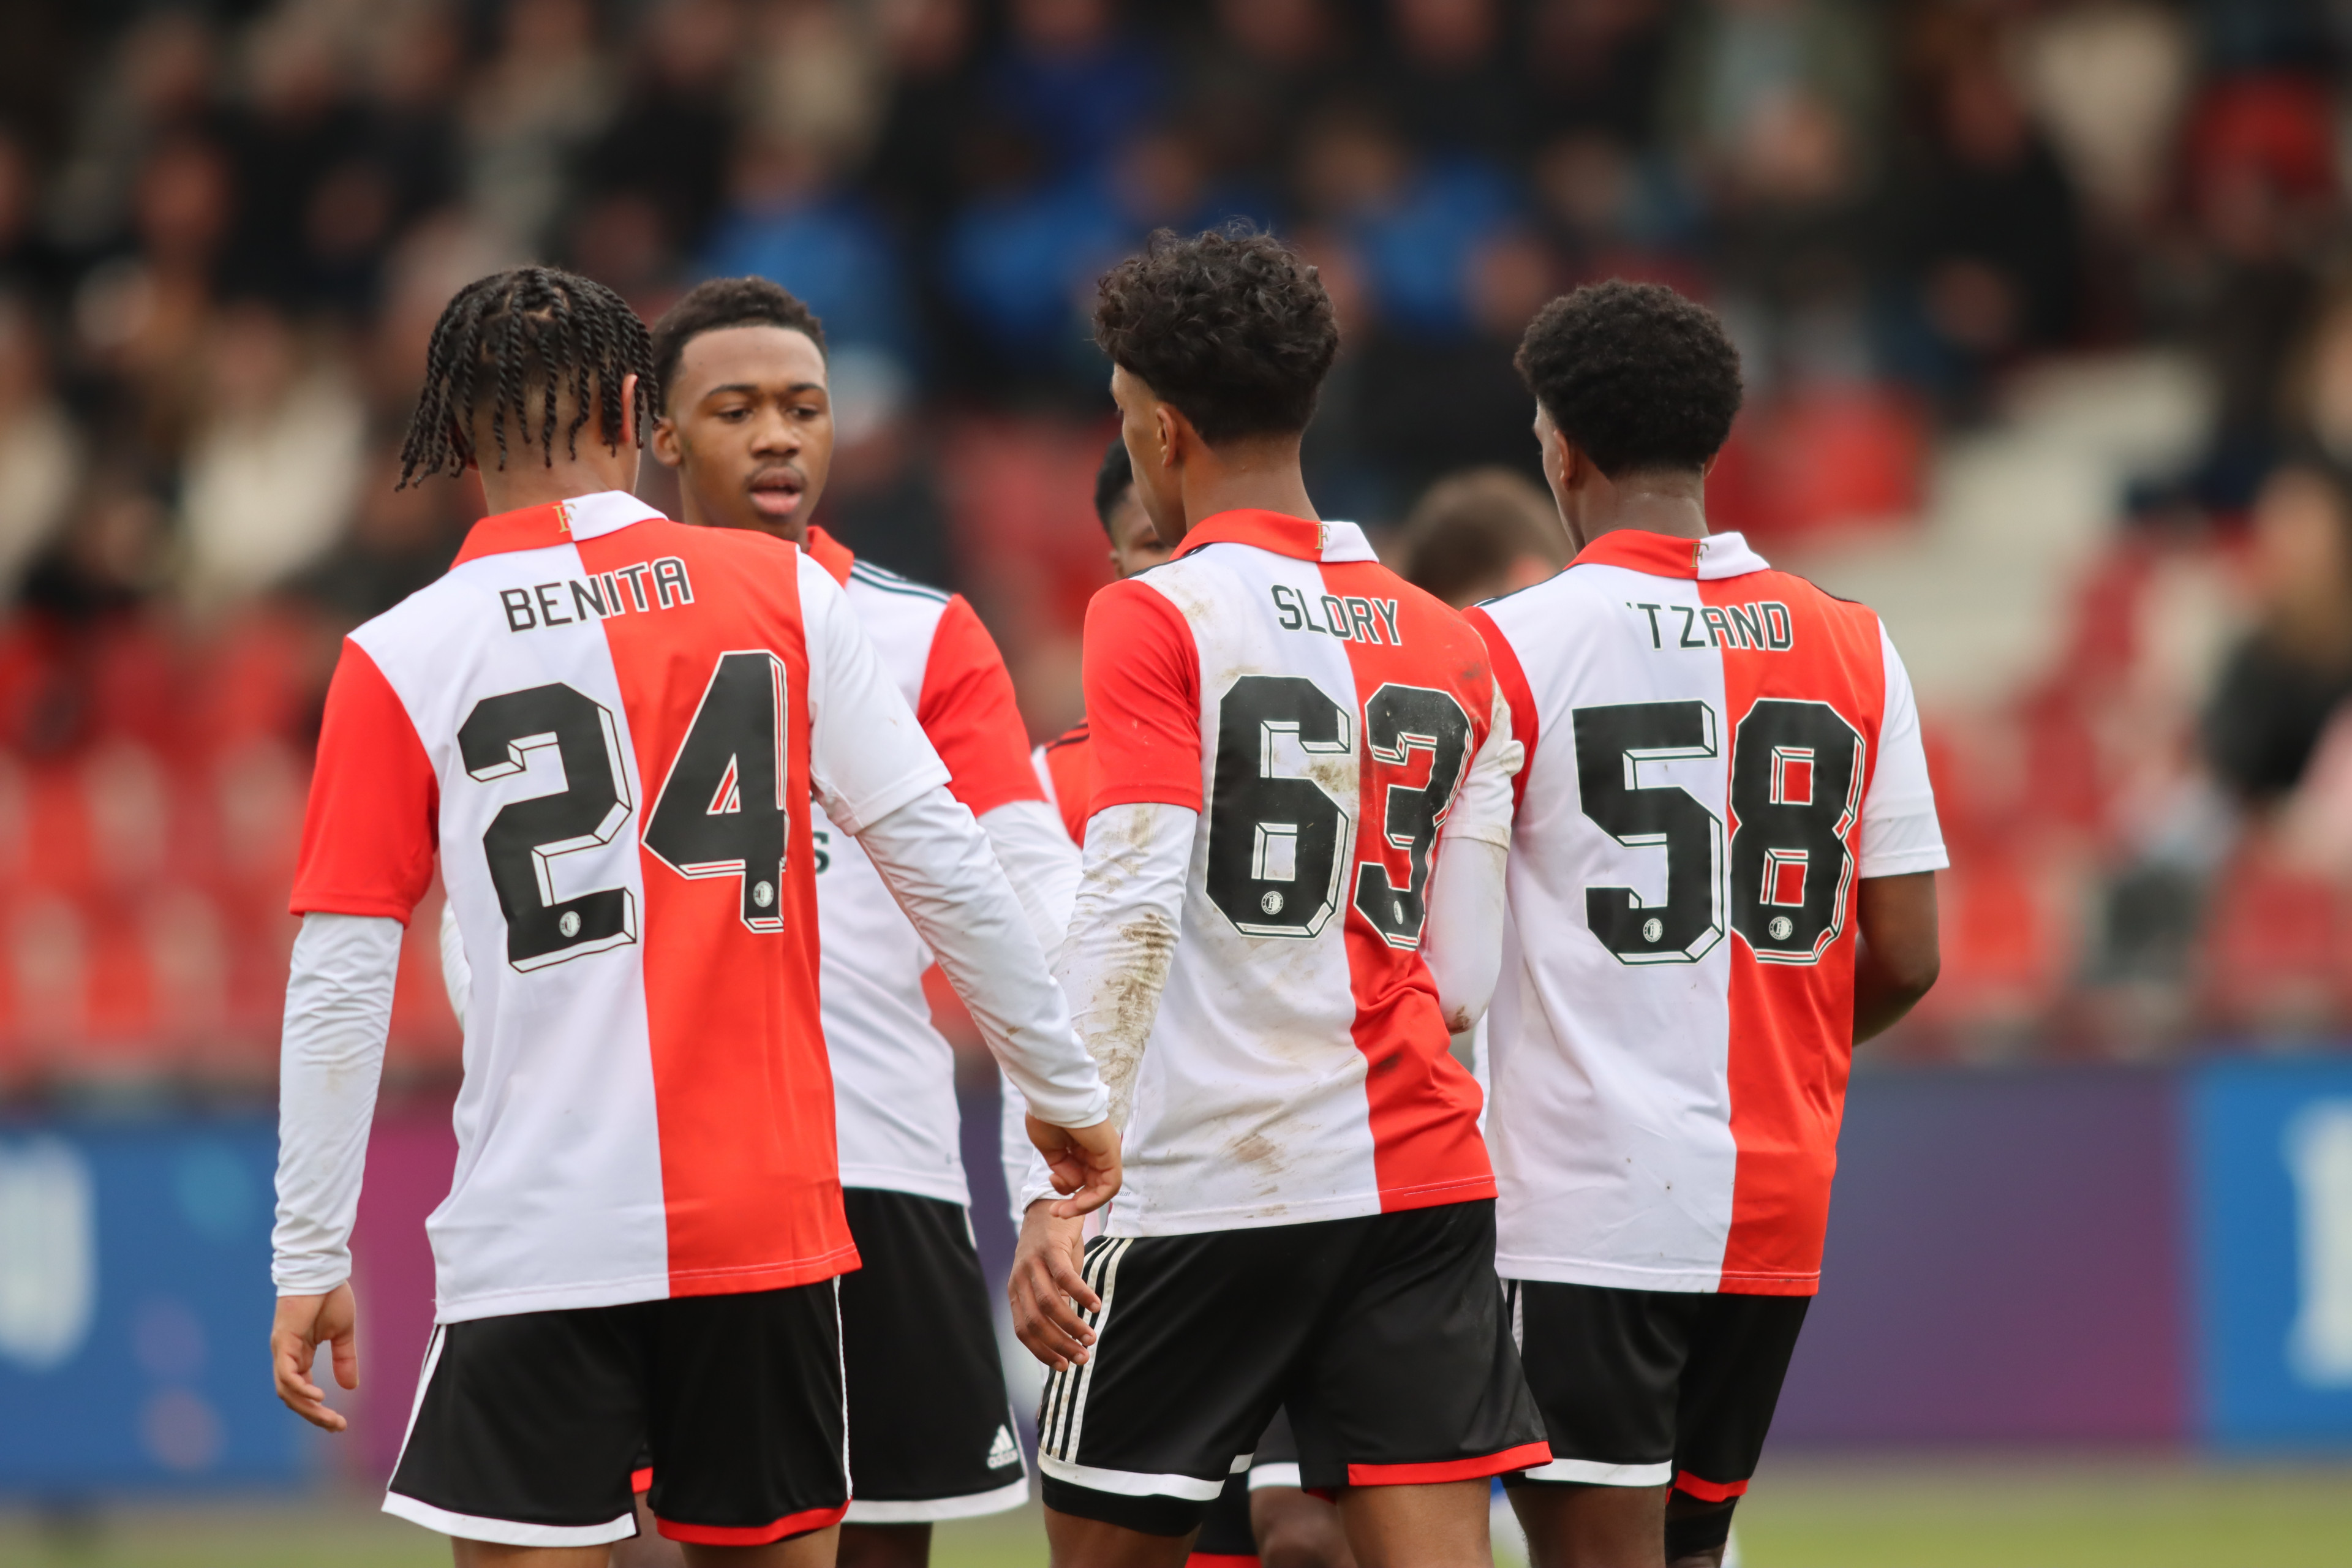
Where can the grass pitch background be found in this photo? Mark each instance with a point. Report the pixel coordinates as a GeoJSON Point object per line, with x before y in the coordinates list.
{"type": "Point", "coordinates": [1913, 1511]}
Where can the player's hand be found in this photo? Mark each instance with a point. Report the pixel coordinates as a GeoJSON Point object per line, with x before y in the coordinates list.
{"type": "Point", "coordinates": [1046, 1280]}
{"type": "Point", "coordinates": [1084, 1162]}
{"type": "Point", "coordinates": [303, 1323]}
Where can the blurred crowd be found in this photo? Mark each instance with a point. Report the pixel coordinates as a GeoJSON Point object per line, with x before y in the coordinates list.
{"type": "Point", "coordinates": [226, 230]}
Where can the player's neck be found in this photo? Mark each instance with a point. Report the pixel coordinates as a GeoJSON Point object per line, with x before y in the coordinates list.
{"type": "Point", "coordinates": [522, 483]}
{"type": "Point", "coordinates": [1674, 505]}
{"type": "Point", "coordinates": [1248, 476]}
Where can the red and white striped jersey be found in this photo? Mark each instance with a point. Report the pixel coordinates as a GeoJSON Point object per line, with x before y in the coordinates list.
{"type": "Point", "coordinates": [611, 723]}
{"type": "Point", "coordinates": [1327, 721]}
{"type": "Point", "coordinates": [1715, 752]}
{"type": "Point", "coordinates": [893, 1073]}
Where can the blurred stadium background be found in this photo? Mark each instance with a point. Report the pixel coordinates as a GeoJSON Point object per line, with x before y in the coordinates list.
{"type": "Point", "coordinates": [2048, 328]}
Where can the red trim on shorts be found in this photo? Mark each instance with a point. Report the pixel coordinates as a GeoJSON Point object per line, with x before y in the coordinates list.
{"type": "Point", "coordinates": [642, 1481]}
{"type": "Point", "coordinates": [1526, 1457]}
{"type": "Point", "coordinates": [799, 1523]}
{"type": "Point", "coordinates": [1707, 1490]}
{"type": "Point", "coordinates": [1220, 1560]}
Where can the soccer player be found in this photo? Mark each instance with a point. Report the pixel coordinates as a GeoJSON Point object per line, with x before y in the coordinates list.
{"type": "Point", "coordinates": [607, 725]}
{"type": "Point", "coordinates": [1293, 751]}
{"type": "Point", "coordinates": [746, 420]}
{"type": "Point", "coordinates": [1264, 1509]}
{"type": "Point", "coordinates": [1063, 764]}
{"type": "Point", "coordinates": [1721, 880]}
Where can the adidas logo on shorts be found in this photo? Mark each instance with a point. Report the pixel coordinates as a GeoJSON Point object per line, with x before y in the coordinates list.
{"type": "Point", "coordinates": [1004, 1450]}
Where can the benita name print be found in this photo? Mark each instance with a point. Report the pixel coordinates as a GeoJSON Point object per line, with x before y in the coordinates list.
{"type": "Point", "coordinates": [1352, 619]}
{"type": "Point", "coordinates": [1763, 625]}
{"type": "Point", "coordinates": [660, 583]}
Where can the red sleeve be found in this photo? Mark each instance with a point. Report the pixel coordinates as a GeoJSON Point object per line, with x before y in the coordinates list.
{"type": "Point", "coordinates": [376, 807]}
{"type": "Point", "coordinates": [968, 710]}
{"type": "Point", "coordinates": [1143, 700]}
{"type": "Point", "coordinates": [1068, 777]}
{"type": "Point", "coordinates": [1513, 682]}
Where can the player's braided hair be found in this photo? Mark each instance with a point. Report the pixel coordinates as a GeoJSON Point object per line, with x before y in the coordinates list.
{"type": "Point", "coordinates": [504, 336]}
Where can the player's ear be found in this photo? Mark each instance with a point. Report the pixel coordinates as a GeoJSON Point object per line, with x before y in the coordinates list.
{"type": "Point", "coordinates": [629, 409]}
{"type": "Point", "coordinates": [1166, 429]}
{"type": "Point", "coordinates": [668, 451]}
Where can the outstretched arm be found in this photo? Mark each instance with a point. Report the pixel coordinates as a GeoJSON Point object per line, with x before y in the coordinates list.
{"type": "Point", "coordinates": [938, 864]}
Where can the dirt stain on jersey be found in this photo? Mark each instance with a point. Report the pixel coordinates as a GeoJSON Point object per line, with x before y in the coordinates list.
{"type": "Point", "coordinates": [1117, 1018]}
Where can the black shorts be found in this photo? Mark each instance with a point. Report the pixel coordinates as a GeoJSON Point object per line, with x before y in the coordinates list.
{"type": "Point", "coordinates": [931, 1434]}
{"type": "Point", "coordinates": [527, 1428]}
{"type": "Point", "coordinates": [1226, 1534]}
{"type": "Point", "coordinates": [1643, 1387]}
{"type": "Point", "coordinates": [1383, 1336]}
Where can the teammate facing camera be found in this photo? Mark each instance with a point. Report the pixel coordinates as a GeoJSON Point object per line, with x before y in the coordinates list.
{"type": "Point", "coordinates": [1722, 879]}
{"type": "Point", "coordinates": [1292, 887]}
{"type": "Point", "coordinates": [608, 729]}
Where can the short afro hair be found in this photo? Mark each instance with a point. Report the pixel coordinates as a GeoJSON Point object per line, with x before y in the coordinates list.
{"type": "Point", "coordinates": [1229, 326]}
{"type": "Point", "coordinates": [1636, 375]}
{"type": "Point", "coordinates": [1113, 480]}
{"type": "Point", "coordinates": [719, 303]}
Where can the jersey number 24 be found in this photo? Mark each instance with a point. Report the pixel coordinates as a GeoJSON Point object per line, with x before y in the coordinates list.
{"type": "Point", "coordinates": [721, 812]}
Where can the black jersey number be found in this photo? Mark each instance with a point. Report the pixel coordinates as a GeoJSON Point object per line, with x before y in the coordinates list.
{"type": "Point", "coordinates": [1796, 789]}
{"type": "Point", "coordinates": [1612, 744]}
{"type": "Point", "coordinates": [1273, 838]}
{"type": "Point", "coordinates": [1398, 721]}
{"type": "Point", "coordinates": [528, 837]}
{"type": "Point", "coordinates": [721, 813]}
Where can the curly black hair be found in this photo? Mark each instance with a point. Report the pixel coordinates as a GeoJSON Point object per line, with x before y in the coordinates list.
{"type": "Point", "coordinates": [1638, 376]}
{"type": "Point", "coordinates": [1113, 480]}
{"type": "Point", "coordinates": [1231, 327]}
{"type": "Point", "coordinates": [556, 332]}
{"type": "Point", "coordinates": [718, 303]}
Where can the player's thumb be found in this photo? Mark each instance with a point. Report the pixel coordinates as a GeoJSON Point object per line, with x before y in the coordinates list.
{"type": "Point", "coordinates": [346, 1345]}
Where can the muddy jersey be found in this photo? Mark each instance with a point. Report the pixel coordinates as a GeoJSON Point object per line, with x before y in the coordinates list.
{"type": "Point", "coordinates": [893, 1073]}
{"type": "Point", "coordinates": [610, 726]}
{"type": "Point", "coordinates": [1319, 723]}
{"type": "Point", "coordinates": [1714, 753]}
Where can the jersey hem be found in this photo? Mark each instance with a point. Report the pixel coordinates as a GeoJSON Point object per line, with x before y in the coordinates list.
{"type": "Point", "coordinates": [748, 1277]}
{"type": "Point", "coordinates": [1354, 1206]}
{"type": "Point", "coordinates": [1685, 1282]}
{"type": "Point", "coordinates": [645, 1287]}
{"type": "Point", "coordinates": [888, 1179]}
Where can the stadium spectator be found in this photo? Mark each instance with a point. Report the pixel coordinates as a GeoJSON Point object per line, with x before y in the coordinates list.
{"type": "Point", "coordinates": [40, 446]}
{"type": "Point", "coordinates": [793, 218]}
{"type": "Point", "coordinates": [2293, 673]}
{"type": "Point", "coordinates": [1480, 534]}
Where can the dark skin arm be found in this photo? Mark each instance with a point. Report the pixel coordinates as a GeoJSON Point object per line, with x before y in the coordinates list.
{"type": "Point", "coordinates": [1896, 960]}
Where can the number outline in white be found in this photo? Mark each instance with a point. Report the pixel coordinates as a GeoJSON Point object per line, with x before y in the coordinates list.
{"type": "Point", "coordinates": [701, 870]}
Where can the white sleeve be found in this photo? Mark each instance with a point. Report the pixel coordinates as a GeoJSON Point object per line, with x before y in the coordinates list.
{"type": "Point", "coordinates": [456, 974]}
{"type": "Point", "coordinates": [936, 863]}
{"type": "Point", "coordinates": [1462, 940]}
{"type": "Point", "coordinates": [1040, 862]}
{"type": "Point", "coordinates": [867, 754]}
{"type": "Point", "coordinates": [1899, 831]}
{"type": "Point", "coordinates": [1122, 939]}
{"type": "Point", "coordinates": [338, 1009]}
{"type": "Point", "coordinates": [1482, 810]}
